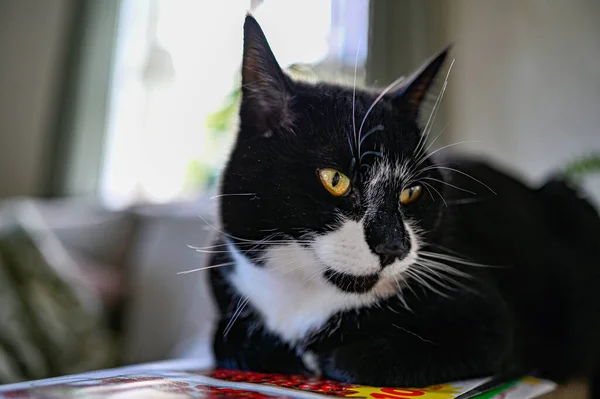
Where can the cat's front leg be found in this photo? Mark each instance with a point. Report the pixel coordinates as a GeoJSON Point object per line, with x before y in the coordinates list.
{"type": "Point", "coordinates": [408, 361]}
{"type": "Point", "coordinates": [238, 346]}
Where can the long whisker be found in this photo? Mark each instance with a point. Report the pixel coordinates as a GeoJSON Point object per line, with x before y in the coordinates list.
{"type": "Point", "coordinates": [403, 283]}
{"type": "Point", "coordinates": [229, 235]}
{"type": "Point", "coordinates": [274, 245]}
{"type": "Point", "coordinates": [423, 139]}
{"type": "Point", "coordinates": [419, 276]}
{"type": "Point", "coordinates": [222, 232]}
{"type": "Point", "coordinates": [448, 184]}
{"type": "Point", "coordinates": [205, 268]}
{"type": "Point", "coordinates": [401, 297]}
{"type": "Point", "coordinates": [430, 193]}
{"type": "Point", "coordinates": [442, 267]}
{"type": "Point", "coordinates": [466, 175]}
{"type": "Point", "coordinates": [253, 243]}
{"type": "Point", "coordinates": [433, 272]}
{"type": "Point", "coordinates": [434, 112]}
{"type": "Point", "coordinates": [377, 99]}
{"type": "Point", "coordinates": [370, 132]}
{"type": "Point", "coordinates": [426, 150]}
{"type": "Point", "coordinates": [376, 153]}
{"type": "Point", "coordinates": [455, 259]}
{"type": "Point", "coordinates": [232, 195]}
{"type": "Point", "coordinates": [236, 315]}
{"type": "Point", "coordinates": [225, 251]}
{"type": "Point", "coordinates": [354, 102]}
{"type": "Point", "coordinates": [412, 333]}
{"type": "Point", "coordinates": [443, 248]}
{"type": "Point", "coordinates": [438, 193]}
{"type": "Point", "coordinates": [445, 147]}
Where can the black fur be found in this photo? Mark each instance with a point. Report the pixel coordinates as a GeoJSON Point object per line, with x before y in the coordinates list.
{"type": "Point", "coordinates": [535, 311]}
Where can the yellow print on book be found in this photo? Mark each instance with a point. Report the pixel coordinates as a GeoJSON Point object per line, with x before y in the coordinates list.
{"type": "Point", "coordinates": [444, 391]}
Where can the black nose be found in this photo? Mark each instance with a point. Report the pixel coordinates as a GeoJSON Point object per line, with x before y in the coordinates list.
{"type": "Point", "coordinates": [386, 234]}
{"type": "Point", "coordinates": [391, 250]}
{"type": "Point", "coordinates": [390, 241]}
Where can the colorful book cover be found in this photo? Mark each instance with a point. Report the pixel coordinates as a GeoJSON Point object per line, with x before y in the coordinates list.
{"type": "Point", "coordinates": [322, 387]}
{"type": "Point", "coordinates": [227, 384]}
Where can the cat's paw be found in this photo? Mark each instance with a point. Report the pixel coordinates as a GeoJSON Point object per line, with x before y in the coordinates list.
{"type": "Point", "coordinates": [335, 367]}
{"type": "Point", "coordinates": [351, 365]}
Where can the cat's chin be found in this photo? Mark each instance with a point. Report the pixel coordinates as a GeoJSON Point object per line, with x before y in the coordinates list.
{"type": "Point", "coordinates": [378, 285]}
{"type": "Point", "coordinates": [351, 283]}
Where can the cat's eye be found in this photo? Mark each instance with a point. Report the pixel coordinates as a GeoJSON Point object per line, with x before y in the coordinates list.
{"type": "Point", "coordinates": [410, 194]}
{"type": "Point", "coordinates": [334, 181]}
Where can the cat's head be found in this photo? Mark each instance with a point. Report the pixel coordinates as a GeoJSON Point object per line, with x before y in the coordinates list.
{"type": "Point", "coordinates": [329, 183]}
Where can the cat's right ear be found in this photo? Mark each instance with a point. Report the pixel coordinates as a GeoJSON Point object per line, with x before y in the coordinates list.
{"type": "Point", "coordinates": [414, 88]}
{"type": "Point", "coordinates": [266, 90]}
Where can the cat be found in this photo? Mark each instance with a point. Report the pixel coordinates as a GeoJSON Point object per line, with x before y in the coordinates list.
{"type": "Point", "coordinates": [346, 251]}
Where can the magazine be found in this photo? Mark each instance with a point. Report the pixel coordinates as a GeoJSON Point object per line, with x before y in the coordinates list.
{"type": "Point", "coordinates": [172, 382]}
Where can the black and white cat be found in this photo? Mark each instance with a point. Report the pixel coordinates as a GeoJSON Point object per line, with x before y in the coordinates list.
{"type": "Point", "coordinates": [346, 251]}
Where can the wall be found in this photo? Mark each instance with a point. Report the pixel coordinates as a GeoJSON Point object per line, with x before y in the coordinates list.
{"type": "Point", "coordinates": [526, 81]}
{"type": "Point", "coordinates": [32, 41]}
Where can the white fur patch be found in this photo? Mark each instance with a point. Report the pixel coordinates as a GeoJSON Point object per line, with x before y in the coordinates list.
{"type": "Point", "coordinates": [346, 250]}
{"type": "Point", "coordinates": [292, 296]}
{"type": "Point", "coordinates": [311, 363]}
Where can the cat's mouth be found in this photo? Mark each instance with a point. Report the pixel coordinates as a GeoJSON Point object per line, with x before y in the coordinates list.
{"type": "Point", "coordinates": [350, 282]}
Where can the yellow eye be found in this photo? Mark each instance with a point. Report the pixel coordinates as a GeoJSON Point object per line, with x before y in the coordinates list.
{"type": "Point", "coordinates": [410, 194]}
{"type": "Point", "coordinates": [334, 181]}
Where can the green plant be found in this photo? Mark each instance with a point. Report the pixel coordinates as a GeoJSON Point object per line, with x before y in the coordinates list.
{"type": "Point", "coordinates": [579, 169]}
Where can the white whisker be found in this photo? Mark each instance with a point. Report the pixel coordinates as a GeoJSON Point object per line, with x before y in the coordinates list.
{"type": "Point", "coordinates": [450, 258]}
{"type": "Point", "coordinates": [467, 175]}
{"type": "Point", "coordinates": [433, 113]}
{"type": "Point", "coordinates": [445, 147]}
{"type": "Point", "coordinates": [205, 268]}
{"type": "Point", "coordinates": [430, 193]}
{"type": "Point", "coordinates": [412, 333]}
{"type": "Point", "coordinates": [354, 103]}
{"type": "Point", "coordinates": [438, 193]}
{"type": "Point", "coordinates": [231, 195]}
{"type": "Point", "coordinates": [240, 308]}
{"type": "Point", "coordinates": [400, 296]}
{"type": "Point", "coordinates": [416, 275]}
{"type": "Point", "coordinates": [253, 243]}
{"type": "Point", "coordinates": [442, 267]}
{"type": "Point", "coordinates": [377, 99]}
{"type": "Point", "coordinates": [370, 132]}
{"type": "Point", "coordinates": [448, 184]}
{"type": "Point", "coordinates": [439, 278]}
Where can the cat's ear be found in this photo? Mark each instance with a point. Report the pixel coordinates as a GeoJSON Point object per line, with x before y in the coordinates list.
{"type": "Point", "coordinates": [415, 87]}
{"type": "Point", "coordinates": [266, 90]}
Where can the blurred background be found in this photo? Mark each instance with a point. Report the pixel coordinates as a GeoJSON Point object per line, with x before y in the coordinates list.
{"type": "Point", "coordinates": [116, 116]}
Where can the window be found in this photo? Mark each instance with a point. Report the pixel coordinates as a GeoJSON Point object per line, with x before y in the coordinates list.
{"type": "Point", "coordinates": [174, 98]}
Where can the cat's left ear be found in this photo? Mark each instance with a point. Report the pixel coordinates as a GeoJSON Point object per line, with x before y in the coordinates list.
{"type": "Point", "coordinates": [266, 89]}
{"type": "Point", "coordinates": [415, 87]}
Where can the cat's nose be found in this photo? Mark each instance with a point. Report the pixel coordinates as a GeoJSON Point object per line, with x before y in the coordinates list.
{"type": "Point", "coordinates": [387, 236]}
{"type": "Point", "coordinates": [391, 250]}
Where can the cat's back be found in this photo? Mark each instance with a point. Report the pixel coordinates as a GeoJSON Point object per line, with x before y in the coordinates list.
{"type": "Point", "coordinates": [512, 218]}
{"type": "Point", "coordinates": [540, 246]}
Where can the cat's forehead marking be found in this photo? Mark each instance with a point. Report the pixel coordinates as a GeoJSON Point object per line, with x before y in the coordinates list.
{"type": "Point", "coordinates": [387, 171]}
{"type": "Point", "coordinates": [383, 175]}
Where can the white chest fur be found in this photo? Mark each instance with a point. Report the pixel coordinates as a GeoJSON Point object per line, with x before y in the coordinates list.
{"type": "Point", "coordinates": [290, 293]}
